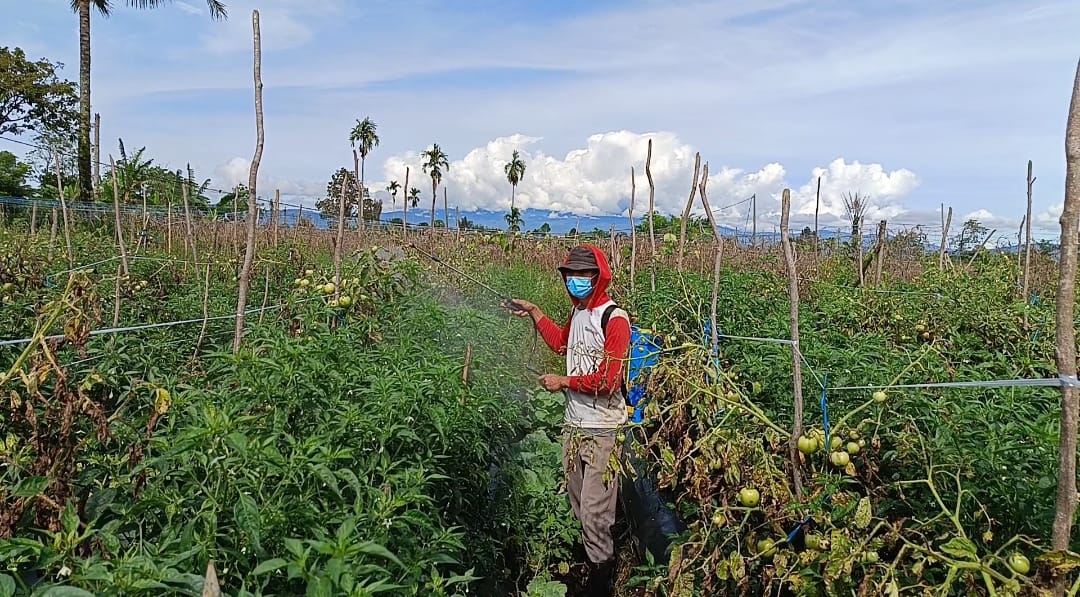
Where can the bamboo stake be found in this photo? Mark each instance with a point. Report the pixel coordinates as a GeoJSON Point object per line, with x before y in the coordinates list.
{"type": "Point", "coordinates": [253, 177]}
{"type": "Point", "coordinates": [796, 362]}
{"type": "Point", "coordinates": [116, 213]}
{"type": "Point", "coordinates": [445, 210]}
{"type": "Point", "coordinates": [633, 230]}
{"type": "Point", "coordinates": [652, 210]}
{"type": "Point", "coordinates": [686, 210]}
{"type": "Point", "coordinates": [33, 218]}
{"type": "Point", "coordinates": [944, 237]}
{"type": "Point", "coordinates": [63, 209]}
{"type": "Point", "coordinates": [1065, 353]}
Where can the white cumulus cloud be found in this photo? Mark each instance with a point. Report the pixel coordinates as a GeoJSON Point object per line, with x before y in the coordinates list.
{"type": "Point", "coordinates": [595, 180]}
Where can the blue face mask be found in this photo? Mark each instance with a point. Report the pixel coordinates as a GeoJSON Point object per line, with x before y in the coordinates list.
{"type": "Point", "coordinates": [579, 287]}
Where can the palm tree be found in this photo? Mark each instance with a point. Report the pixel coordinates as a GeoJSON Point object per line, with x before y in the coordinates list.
{"type": "Point", "coordinates": [86, 190]}
{"type": "Point", "coordinates": [393, 188]}
{"type": "Point", "coordinates": [364, 134]}
{"type": "Point", "coordinates": [435, 164]}
{"type": "Point", "coordinates": [414, 196]}
{"type": "Point", "coordinates": [515, 171]}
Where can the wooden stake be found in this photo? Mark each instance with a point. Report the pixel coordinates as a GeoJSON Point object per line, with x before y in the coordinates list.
{"type": "Point", "coordinates": [796, 362]}
{"type": "Point", "coordinates": [753, 231]}
{"type": "Point", "coordinates": [817, 208]}
{"type": "Point", "coordinates": [880, 252]}
{"type": "Point", "coordinates": [705, 203]}
{"type": "Point", "coordinates": [714, 331]}
{"type": "Point", "coordinates": [944, 238]}
{"type": "Point", "coordinates": [63, 209]}
{"type": "Point", "coordinates": [189, 228]}
{"type": "Point", "coordinates": [360, 199]}
{"type": "Point", "coordinates": [340, 239]}
{"type": "Point", "coordinates": [979, 248]}
{"type": "Point", "coordinates": [97, 154]}
{"type": "Point", "coordinates": [52, 232]}
{"type": "Point", "coordinates": [116, 213]}
{"type": "Point", "coordinates": [633, 230]}
{"type": "Point", "coordinates": [1065, 352]}
{"type": "Point", "coordinates": [276, 215]}
{"type": "Point", "coordinates": [652, 210]}
{"type": "Point", "coordinates": [686, 210]}
{"type": "Point", "coordinates": [465, 370]}
{"type": "Point", "coordinates": [168, 224]}
{"type": "Point", "coordinates": [1027, 243]}
{"type": "Point", "coordinates": [445, 210]}
{"type": "Point", "coordinates": [253, 175]}
{"type": "Point", "coordinates": [405, 213]}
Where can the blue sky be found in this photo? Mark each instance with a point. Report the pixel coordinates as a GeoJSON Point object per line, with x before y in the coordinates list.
{"type": "Point", "coordinates": [915, 103]}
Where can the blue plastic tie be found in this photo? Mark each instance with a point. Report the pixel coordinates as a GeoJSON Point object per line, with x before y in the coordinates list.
{"type": "Point", "coordinates": [825, 410]}
{"type": "Point", "coordinates": [795, 531]}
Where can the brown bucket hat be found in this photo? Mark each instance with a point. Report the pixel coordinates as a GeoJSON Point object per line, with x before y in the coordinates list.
{"type": "Point", "coordinates": [580, 258]}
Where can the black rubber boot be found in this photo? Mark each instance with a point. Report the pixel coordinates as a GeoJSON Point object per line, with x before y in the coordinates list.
{"type": "Point", "coordinates": [601, 581]}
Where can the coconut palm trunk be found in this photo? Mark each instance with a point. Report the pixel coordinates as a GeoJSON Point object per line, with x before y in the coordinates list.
{"type": "Point", "coordinates": [434, 188]}
{"type": "Point", "coordinates": [86, 191]}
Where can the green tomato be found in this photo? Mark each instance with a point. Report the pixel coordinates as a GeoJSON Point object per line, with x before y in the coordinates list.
{"type": "Point", "coordinates": [1019, 563]}
{"type": "Point", "coordinates": [807, 445]}
{"type": "Point", "coordinates": [852, 448]}
{"type": "Point", "coordinates": [766, 548]}
{"type": "Point", "coordinates": [879, 396]}
{"type": "Point", "coordinates": [749, 497]}
{"type": "Point", "coordinates": [840, 459]}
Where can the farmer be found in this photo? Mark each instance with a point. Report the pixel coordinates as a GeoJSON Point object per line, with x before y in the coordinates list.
{"type": "Point", "coordinates": [595, 405]}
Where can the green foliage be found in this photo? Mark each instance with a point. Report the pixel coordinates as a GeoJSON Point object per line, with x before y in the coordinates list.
{"type": "Point", "coordinates": [13, 175]}
{"type": "Point", "coordinates": [32, 96]}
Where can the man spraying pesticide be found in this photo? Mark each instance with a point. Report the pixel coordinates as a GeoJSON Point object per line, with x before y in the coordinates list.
{"type": "Point", "coordinates": [595, 340]}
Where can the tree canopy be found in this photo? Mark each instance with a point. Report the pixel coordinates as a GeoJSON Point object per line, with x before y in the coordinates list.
{"type": "Point", "coordinates": [32, 96]}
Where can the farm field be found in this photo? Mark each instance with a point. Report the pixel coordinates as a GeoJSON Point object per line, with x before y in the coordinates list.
{"type": "Point", "coordinates": [394, 441]}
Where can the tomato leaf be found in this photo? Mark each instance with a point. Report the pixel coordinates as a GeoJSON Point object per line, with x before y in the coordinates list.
{"type": "Point", "coordinates": [960, 547]}
{"type": "Point", "coordinates": [7, 586]}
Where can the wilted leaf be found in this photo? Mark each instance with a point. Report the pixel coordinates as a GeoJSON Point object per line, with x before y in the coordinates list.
{"type": "Point", "coordinates": [863, 513]}
{"type": "Point", "coordinates": [1060, 562]}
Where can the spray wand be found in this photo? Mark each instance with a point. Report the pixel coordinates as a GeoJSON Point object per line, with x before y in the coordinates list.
{"type": "Point", "coordinates": [505, 300]}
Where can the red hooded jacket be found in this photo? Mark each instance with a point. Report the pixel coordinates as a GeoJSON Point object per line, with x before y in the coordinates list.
{"type": "Point", "coordinates": [607, 378]}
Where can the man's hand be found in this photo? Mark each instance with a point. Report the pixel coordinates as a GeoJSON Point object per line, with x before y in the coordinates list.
{"type": "Point", "coordinates": [554, 383]}
{"type": "Point", "coordinates": [520, 307]}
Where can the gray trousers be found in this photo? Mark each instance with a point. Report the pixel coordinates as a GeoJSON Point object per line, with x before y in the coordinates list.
{"type": "Point", "coordinates": [586, 456]}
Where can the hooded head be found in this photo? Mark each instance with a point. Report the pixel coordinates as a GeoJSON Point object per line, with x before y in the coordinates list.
{"type": "Point", "coordinates": [587, 261]}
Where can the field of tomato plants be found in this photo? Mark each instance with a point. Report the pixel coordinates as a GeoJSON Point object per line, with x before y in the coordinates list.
{"type": "Point", "coordinates": [390, 439]}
